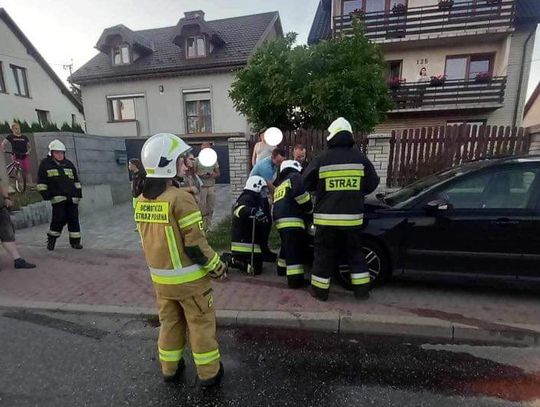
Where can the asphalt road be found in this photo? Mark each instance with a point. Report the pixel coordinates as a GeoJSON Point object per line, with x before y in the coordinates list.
{"type": "Point", "coordinates": [57, 359]}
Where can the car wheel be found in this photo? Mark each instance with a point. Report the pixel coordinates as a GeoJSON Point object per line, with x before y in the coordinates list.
{"type": "Point", "coordinates": [377, 263]}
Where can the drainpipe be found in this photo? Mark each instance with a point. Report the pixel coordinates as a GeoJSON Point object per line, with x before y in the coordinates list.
{"type": "Point", "coordinates": [521, 74]}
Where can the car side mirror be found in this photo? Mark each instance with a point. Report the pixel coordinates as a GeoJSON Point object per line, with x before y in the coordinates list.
{"type": "Point", "coordinates": [438, 206]}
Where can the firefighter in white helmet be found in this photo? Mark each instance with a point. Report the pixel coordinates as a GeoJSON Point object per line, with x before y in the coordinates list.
{"type": "Point", "coordinates": [340, 177]}
{"type": "Point", "coordinates": [58, 182]}
{"type": "Point", "coordinates": [181, 263]}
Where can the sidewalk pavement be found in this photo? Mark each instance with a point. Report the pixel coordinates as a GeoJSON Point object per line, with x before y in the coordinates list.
{"type": "Point", "coordinates": [110, 276]}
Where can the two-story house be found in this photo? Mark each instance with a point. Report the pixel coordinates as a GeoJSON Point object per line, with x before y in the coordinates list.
{"type": "Point", "coordinates": [449, 61]}
{"type": "Point", "coordinates": [172, 79]}
{"type": "Point", "coordinates": [29, 88]}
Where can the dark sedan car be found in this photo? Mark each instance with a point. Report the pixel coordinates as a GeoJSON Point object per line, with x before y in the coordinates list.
{"type": "Point", "coordinates": [482, 217]}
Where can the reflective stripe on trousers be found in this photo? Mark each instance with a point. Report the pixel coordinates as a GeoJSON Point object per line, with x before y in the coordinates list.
{"type": "Point", "coordinates": [290, 223]}
{"type": "Point", "coordinates": [206, 358]}
{"type": "Point", "coordinates": [327, 219]}
{"type": "Point", "coordinates": [170, 355]}
{"type": "Point", "coordinates": [322, 283]}
{"type": "Point", "coordinates": [245, 247]}
{"type": "Point", "coordinates": [360, 279]}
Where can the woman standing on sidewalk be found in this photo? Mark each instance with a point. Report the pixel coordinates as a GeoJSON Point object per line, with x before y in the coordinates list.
{"type": "Point", "coordinates": [190, 180]}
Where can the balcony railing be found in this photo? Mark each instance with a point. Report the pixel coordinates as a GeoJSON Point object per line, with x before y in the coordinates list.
{"type": "Point", "coordinates": [452, 94]}
{"type": "Point", "coordinates": [427, 21]}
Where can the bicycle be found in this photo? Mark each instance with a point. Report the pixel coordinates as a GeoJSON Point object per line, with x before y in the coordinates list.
{"type": "Point", "coordinates": [16, 173]}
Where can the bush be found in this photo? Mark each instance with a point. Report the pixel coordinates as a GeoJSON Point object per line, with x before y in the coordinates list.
{"type": "Point", "coordinates": [5, 128]}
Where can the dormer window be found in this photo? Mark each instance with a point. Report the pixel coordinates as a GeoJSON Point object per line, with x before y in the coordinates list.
{"type": "Point", "coordinates": [196, 46]}
{"type": "Point", "coordinates": [121, 55]}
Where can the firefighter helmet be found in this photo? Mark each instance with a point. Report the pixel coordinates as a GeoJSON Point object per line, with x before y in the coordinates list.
{"type": "Point", "coordinates": [338, 126]}
{"type": "Point", "coordinates": [295, 165]}
{"type": "Point", "coordinates": [56, 145]}
{"type": "Point", "coordinates": [255, 184]}
{"type": "Point", "coordinates": [160, 153]}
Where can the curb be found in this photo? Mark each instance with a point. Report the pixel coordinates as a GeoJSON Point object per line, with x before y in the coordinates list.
{"type": "Point", "coordinates": [366, 324]}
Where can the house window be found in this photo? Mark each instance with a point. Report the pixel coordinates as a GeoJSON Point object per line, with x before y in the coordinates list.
{"type": "Point", "coordinates": [351, 5]}
{"type": "Point", "coordinates": [2, 81]}
{"type": "Point", "coordinates": [198, 111]}
{"type": "Point", "coordinates": [195, 47]}
{"type": "Point", "coordinates": [43, 117]}
{"type": "Point", "coordinates": [373, 6]}
{"type": "Point", "coordinates": [20, 81]}
{"type": "Point", "coordinates": [121, 55]}
{"type": "Point", "coordinates": [468, 66]}
{"type": "Point", "coordinates": [73, 120]}
{"type": "Point", "coordinates": [394, 69]}
{"type": "Point", "coordinates": [121, 109]}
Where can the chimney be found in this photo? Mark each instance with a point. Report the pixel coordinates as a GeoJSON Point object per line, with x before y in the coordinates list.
{"type": "Point", "coordinates": [194, 15]}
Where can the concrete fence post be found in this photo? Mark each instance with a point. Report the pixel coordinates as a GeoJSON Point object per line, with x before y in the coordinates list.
{"type": "Point", "coordinates": [378, 152]}
{"type": "Point", "coordinates": [238, 164]}
{"type": "Point", "coordinates": [535, 140]}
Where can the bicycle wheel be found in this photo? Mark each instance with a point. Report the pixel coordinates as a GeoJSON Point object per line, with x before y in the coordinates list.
{"type": "Point", "coordinates": [20, 180]}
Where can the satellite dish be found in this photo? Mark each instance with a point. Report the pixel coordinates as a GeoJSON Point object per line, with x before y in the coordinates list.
{"type": "Point", "coordinates": [208, 157]}
{"type": "Point", "coordinates": [273, 136]}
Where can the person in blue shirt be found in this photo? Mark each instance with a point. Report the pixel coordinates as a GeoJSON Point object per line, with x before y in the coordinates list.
{"type": "Point", "coordinates": [268, 167]}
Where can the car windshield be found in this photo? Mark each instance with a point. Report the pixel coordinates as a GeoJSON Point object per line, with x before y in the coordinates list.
{"type": "Point", "coordinates": [410, 191]}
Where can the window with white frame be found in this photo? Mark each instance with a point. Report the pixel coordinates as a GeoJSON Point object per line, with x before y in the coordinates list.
{"type": "Point", "coordinates": [198, 109]}
{"type": "Point", "coordinates": [20, 81]}
{"type": "Point", "coordinates": [121, 55]}
{"type": "Point", "coordinates": [122, 108]}
{"type": "Point", "coordinates": [2, 81]}
{"type": "Point", "coordinates": [44, 117]}
{"type": "Point", "coordinates": [195, 47]}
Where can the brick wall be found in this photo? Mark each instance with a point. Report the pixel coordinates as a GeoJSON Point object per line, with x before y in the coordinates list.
{"type": "Point", "coordinates": [378, 152]}
{"type": "Point", "coordinates": [535, 140]}
{"type": "Point", "coordinates": [238, 164]}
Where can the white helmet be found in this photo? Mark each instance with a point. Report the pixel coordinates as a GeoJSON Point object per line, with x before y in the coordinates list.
{"type": "Point", "coordinates": [56, 145]}
{"type": "Point", "coordinates": [338, 126]}
{"type": "Point", "coordinates": [255, 184]}
{"type": "Point", "coordinates": [160, 153]}
{"type": "Point", "coordinates": [295, 165]}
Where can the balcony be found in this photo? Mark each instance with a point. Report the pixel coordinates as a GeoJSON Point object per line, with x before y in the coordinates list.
{"type": "Point", "coordinates": [417, 23]}
{"type": "Point", "coordinates": [451, 95]}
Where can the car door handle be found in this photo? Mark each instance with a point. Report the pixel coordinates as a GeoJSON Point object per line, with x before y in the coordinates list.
{"type": "Point", "coordinates": [505, 222]}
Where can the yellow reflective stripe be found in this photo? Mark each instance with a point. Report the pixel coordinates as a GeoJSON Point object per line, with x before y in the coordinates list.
{"type": "Point", "coordinates": [318, 284]}
{"type": "Point", "coordinates": [58, 199]}
{"type": "Point", "coordinates": [335, 222]}
{"type": "Point", "coordinates": [42, 187]}
{"type": "Point", "coordinates": [170, 355]}
{"type": "Point", "coordinates": [53, 233]}
{"type": "Point", "coordinates": [134, 202]}
{"type": "Point", "coordinates": [190, 220]}
{"type": "Point", "coordinates": [75, 235]}
{"type": "Point", "coordinates": [341, 173]}
{"type": "Point", "coordinates": [360, 281]}
{"type": "Point", "coordinates": [281, 263]}
{"type": "Point", "coordinates": [78, 185]}
{"type": "Point", "coordinates": [212, 264]}
{"type": "Point", "coordinates": [173, 248]}
{"type": "Point", "coordinates": [237, 210]}
{"type": "Point", "coordinates": [179, 279]}
{"type": "Point", "coordinates": [290, 223]}
{"type": "Point", "coordinates": [295, 270]}
{"type": "Point", "coordinates": [302, 199]}
{"type": "Point", "coordinates": [206, 358]}
{"type": "Point", "coordinates": [245, 248]}
{"type": "Point", "coordinates": [53, 173]}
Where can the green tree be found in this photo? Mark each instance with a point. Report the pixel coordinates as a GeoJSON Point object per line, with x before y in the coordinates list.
{"type": "Point", "coordinates": [310, 86]}
{"type": "Point", "coordinates": [65, 127]}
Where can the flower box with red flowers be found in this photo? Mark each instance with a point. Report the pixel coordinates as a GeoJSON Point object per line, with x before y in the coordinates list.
{"type": "Point", "coordinates": [446, 4]}
{"type": "Point", "coordinates": [438, 80]}
{"type": "Point", "coordinates": [357, 13]}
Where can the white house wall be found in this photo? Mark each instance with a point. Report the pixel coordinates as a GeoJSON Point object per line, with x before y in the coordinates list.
{"type": "Point", "coordinates": [161, 112]}
{"type": "Point", "coordinates": [44, 93]}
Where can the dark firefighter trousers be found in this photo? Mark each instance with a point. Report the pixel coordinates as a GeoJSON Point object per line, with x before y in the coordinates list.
{"type": "Point", "coordinates": [62, 213]}
{"type": "Point", "coordinates": [334, 247]}
{"type": "Point", "coordinates": [292, 259]}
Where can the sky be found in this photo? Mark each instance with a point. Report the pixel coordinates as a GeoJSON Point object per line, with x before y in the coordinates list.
{"type": "Point", "coordinates": [67, 30]}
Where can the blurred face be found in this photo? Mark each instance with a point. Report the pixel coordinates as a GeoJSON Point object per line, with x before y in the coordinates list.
{"type": "Point", "coordinates": [423, 72]}
{"type": "Point", "coordinates": [206, 145]}
{"type": "Point", "coordinates": [59, 155]}
{"type": "Point", "coordinates": [300, 154]}
{"type": "Point", "coordinates": [16, 129]}
{"type": "Point", "coordinates": [132, 168]}
{"type": "Point", "coordinates": [190, 161]}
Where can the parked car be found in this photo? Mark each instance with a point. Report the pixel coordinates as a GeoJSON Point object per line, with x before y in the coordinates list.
{"type": "Point", "coordinates": [481, 217]}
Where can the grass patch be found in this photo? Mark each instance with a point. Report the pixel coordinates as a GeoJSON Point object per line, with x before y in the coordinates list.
{"type": "Point", "coordinates": [219, 238]}
{"type": "Point", "coordinates": [25, 198]}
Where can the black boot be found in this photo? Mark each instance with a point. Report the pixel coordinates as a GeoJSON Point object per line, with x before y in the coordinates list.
{"type": "Point", "coordinates": [176, 377]}
{"type": "Point", "coordinates": [296, 283]}
{"type": "Point", "coordinates": [361, 292]}
{"type": "Point", "coordinates": [214, 381]}
{"type": "Point", "coordinates": [319, 294]}
{"type": "Point", "coordinates": [75, 244]}
{"type": "Point", "coordinates": [51, 242]}
{"type": "Point", "coordinates": [21, 263]}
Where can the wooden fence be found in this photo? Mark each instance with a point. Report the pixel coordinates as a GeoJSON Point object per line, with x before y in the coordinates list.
{"type": "Point", "coordinates": [314, 140]}
{"type": "Point", "coordinates": [416, 153]}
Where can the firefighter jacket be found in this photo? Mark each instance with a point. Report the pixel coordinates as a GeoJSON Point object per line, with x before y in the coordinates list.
{"type": "Point", "coordinates": [292, 203]}
{"type": "Point", "coordinates": [242, 222]}
{"type": "Point", "coordinates": [58, 181]}
{"type": "Point", "coordinates": [340, 177]}
{"type": "Point", "coordinates": [173, 240]}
